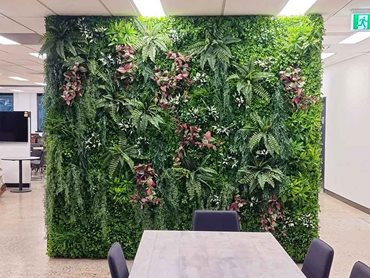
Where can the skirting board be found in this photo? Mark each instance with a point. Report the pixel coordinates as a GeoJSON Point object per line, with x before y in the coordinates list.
{"type": "Point", "coordinates": [348, 202]}
{"type": "Point", "coordinates": [17, 185]}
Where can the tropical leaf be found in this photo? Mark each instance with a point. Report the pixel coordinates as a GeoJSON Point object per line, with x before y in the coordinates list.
{"type": "Point", "coordinates": [61, 40]}
{"type": "Point", "coordinates": [152, 39]}
{"type": "Point", "coordinates": [272, 145]}
{"type": "Point", "coordinates": [213, 50]}
{"type": "Point", "coordinates": [198, 181]}
{"type": "Point", "coordinates": [259, 175]}
{"type": "Point", "coordinates": [121, 32]}
{"type": "Point", "coordinates": [249, 81]}
{"type": "Point", "coordinates": [255, 140]}
{"type": "Point", "coordinates": [120, 156]}
{"type": "Point", "coordinates": [143, 113]}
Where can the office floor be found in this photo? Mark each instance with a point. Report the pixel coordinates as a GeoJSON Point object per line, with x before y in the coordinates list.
{"type": "Point", "coordinates": [23, 244]}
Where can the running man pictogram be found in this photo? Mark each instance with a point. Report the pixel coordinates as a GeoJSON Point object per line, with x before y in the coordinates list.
{"type": "Point", "coordinates": [362, 22]}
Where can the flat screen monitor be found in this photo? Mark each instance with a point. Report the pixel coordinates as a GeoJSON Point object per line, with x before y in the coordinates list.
{"type": "Point", "coordinates": [14, 126]}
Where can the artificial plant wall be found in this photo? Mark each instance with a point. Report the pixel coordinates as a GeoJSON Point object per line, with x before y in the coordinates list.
{"type": "Point", "coordinates": [150, 119]}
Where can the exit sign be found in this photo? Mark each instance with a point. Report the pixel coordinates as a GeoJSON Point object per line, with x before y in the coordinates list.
{"type": "Point", "coordinates": [361, 21]}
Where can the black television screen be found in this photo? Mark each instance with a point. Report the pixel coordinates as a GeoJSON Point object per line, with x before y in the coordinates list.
{"type": "Point", "coordinates": [14, 126]}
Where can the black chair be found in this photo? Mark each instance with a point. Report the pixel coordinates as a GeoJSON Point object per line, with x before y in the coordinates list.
{"type": "Point", "coordinates": [221, 221]}
{"type": "Point", "coordinates": [39, 165]}
{"type": "Point", "coordinates": [318, 260]}
{"type": "Point", "coordinates": [360, 270]}
{"type": "Point", "coordinates": [117, 262]}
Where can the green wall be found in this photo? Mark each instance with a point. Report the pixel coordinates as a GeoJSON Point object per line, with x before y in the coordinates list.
{"type": "Point", "coordinates": [150, 119]}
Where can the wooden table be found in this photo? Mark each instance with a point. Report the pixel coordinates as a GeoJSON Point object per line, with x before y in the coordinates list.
{"type": "Point", "coordinates": [212, 254]}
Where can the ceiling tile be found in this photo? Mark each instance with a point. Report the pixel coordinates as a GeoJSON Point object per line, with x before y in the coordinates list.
{"type": "Point", "coordinates": [34, 48]}
{"type": "Point", "coordinates": [76, 7]}
{"type": "Point", "coordinates": [14, 49]}
{"type": "Point", "coordinates": [334, 39]}
{"type": "Point", "coordinates": [353, 5]}
{"type": "Point", "coordinates": [20, 8]}
{"type": "Point", "coordinates": [328, 7]}
{"type": "Point", "coordinates": [192, 7]}
{"type": "Point", "coordinates": [19, 69]}
{"type": "Point", "coordinates": [4, 63]}
{"type": "Point", "coordinates": [37, 24]}
{"type": "Point", "coordinates": [35, 68]}
{"type": "Point", "coordinates": [9, 26]}
{"type": "Point", "coordinates": [340, 58]}
{"type": "Point", "coordinates": [265, 7]}
{"type": "Point", "coordinates": [121, 7]}
{"type": "Point", "coordinates": [26, 63]}
{"type": "Point", "coordinates": [338, 24]}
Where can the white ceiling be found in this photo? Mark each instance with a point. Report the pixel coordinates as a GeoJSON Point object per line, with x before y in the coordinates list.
{"type": "Point", "coordinates": [27, 16]}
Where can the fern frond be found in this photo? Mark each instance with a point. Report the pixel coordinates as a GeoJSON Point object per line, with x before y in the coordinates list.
{"type": "Point", "coordinates": [254, 140]}
{"type": "Point", "coordinates": [272, 144]}
{"type": "Point", "coordinates": [261, 92]}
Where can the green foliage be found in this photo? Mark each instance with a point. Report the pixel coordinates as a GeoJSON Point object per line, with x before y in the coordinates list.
{"type": "Point", "coordinates": [152, 39]}
{"type": "Point", "coordinates": [259, 175]}
{"type": "Point", "coordinates": [60, 40]}
{"type": "Point", "coordinates": [195, 180]}
{"type": "Point", "coordinates": [142, 114]}
{"type": "Point", "coordinates": [249, 80]}
{"type": "Point", "coordinates": [178, 114]}
{"type": "Point", "coordinates": [262, 135]}
{"type": "Point", "coordinates": [119, 156]}
{"type": "Point", "coordinates": [121, 33]}
{"type": "Point", "coordinates": [214, 49]}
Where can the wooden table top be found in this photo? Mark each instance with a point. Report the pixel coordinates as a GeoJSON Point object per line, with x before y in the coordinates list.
{"type": "Point", "coordinates": [212, 254]}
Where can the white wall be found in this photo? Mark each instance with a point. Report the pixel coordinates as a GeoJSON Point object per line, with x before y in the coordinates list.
{"type": "Point", "coordinates": [26, 101]}
{"type": "Point", "coordinates": [347, 160]}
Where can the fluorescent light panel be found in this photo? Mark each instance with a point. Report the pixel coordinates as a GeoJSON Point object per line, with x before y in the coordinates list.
{"type": "Point", "coordinates": [150, 7]}
{"type": "Point", "coordinates": [356, 38]}
{"type": "Point", "coordinates": [38, 55]}
{"type": "Point", "coordinates": [297, 7]}
{"type": "Point", "coordinates": [6, 41]}
{"type": "Point", "coordinates": [39, 83]}
{"type": "Point", "coordinates": [18, 78]}
{"type": "Point", "coordinates": [325, 55]}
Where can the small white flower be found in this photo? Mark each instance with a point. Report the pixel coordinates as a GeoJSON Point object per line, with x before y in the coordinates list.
{"type": "Point", "coordinates": [173, 35]}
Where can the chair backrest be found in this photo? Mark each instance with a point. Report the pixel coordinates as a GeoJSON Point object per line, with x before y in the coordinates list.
{"type": "Point", "coordinates": [360, 270]}
{"type": "Point", "coordinates": [42, 159]}
{"type": "Point", "coordinates": [36, 153]}
{"type": "Point", "coordinates": [117, 262]}
{"type": "Point", "coordinates": [318, 260]}
{"type": "Point", "coordinates": [221, 221]}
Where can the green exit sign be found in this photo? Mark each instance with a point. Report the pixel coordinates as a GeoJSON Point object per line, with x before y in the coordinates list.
{"type": "Point", "coordinates": [361, 21]}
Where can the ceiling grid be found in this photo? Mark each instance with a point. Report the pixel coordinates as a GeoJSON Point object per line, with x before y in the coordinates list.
{"type": "Point", "coordinates": [27, 16]}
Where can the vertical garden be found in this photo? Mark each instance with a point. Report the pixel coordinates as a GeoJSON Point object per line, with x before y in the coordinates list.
{"type": "Point", "coordinates": [149, 119]}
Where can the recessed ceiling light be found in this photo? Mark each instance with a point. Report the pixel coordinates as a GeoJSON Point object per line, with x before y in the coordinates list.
{"type": "Point", "coordinates": [325, 55]}
{"type": "Point", "coordinates": [17, 91]}
{"type": "Point", "coordinates": [297, 7]}
{"type": "Point", "coordinates": [6, 41]}
{"type": "Point", "coordinates": [150, 7]}
{"type": "Point", "coordinates": [356, 37]}
{"type": "Point", "coordinates": [18, 78]}
{"type": "Point", "coordinates": [39, 83]}
{"type": "Point", "coordinates": [38, 55]}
